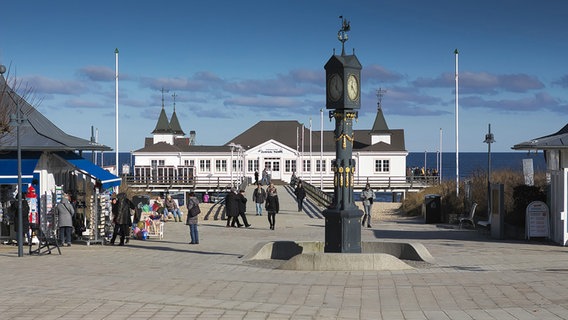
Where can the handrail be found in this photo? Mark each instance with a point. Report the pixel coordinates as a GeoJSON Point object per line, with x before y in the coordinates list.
{"type": "Point", "coordinates": [317, 194]}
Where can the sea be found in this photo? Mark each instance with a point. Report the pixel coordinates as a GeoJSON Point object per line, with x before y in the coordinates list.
{"type": "Point", "coordinates": [469, 162]}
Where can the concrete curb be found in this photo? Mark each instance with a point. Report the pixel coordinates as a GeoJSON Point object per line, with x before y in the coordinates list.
{"type": "Point", "coordinates": [310, 255]}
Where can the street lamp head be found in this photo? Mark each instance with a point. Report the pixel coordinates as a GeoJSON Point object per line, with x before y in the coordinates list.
{"type": "Point", "coordinates": [489, 138]}
{"type": "Point", "coordinates": [2, 69]}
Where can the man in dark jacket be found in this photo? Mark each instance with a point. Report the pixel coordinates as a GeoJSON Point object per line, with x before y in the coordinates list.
{"type": "Point", "coordinates": [232, 209]}
{"type": "Point", "coordinates": [300, 195]}
{"type": "Point", "coordinates": [259, 197]}
{"type": "Point", "coordinates": [243, 207]}
{"type": "Point", "coordinates": [124, 216]}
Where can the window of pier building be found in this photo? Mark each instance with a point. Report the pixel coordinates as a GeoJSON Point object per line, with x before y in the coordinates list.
{"type": "Point", "coordinates": [321, 166]}
{"type": "Point", "coordinates": [237, 165]}
{"type": "Point", "coordinates": [382, 165]}
{"type": "Point", "coordinates": [189, 163]}
{"type": "Point", "coordinates": [290, 165]}
{"type": "Point", "coordinates": [155, 163]}
{"type": "Point", "coordinates": [221, 165]}
{"type": "Point", "coordinates": [307, 166]}
{"type": "Point", "coordinates": [204, 165]}
{"type": "Point", "coordinates": [252, 165]}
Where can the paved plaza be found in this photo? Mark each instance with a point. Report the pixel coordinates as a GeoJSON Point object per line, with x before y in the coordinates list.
{"type": "Point", "coordinates": [473, 277]}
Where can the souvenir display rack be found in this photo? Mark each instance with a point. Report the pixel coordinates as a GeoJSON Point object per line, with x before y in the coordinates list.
{"type": "Point", "coordinates": [99, 219]}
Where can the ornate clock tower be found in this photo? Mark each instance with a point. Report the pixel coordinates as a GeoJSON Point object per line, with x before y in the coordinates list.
{"type": "Point", "coordinates": [343, 98]}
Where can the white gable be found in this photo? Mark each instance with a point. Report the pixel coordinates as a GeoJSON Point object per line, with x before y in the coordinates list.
{"type": "Point", "coordinates": [271, 148]}
{"type": "Point", "coordinates": [376, 138]}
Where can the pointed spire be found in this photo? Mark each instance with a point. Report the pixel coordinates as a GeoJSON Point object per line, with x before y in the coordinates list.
{"type": "Point", "coordinates": [163, 125]}
{"type": "Point", "coordinates": [380, 122]}
{"type": "Point", "coordinates": [174, 122]}
{"type": "Point", "coordinates": [163, 90]}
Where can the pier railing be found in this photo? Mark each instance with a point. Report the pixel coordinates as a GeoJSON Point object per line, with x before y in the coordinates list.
{"type": "Point", "coordinates": [183, 179]}
{"type": "Point", "coordinates": [380, 184]}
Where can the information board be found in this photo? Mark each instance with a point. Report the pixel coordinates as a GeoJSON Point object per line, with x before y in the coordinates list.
{"type": "Point", "coordinates": [537, 220]}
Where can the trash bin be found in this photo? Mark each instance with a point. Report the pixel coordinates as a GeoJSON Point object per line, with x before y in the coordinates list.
{"type": "Point", "coordinates": [432, 208]}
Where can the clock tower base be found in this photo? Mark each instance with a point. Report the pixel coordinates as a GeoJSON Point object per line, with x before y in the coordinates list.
{"type": "Point", "coordinates": [342, 230]}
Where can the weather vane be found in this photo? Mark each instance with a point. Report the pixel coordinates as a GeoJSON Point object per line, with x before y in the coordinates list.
{"type": "Point", "coordinates": [380, 93]}
{"type": "Point", "coordinates": [342, 33]}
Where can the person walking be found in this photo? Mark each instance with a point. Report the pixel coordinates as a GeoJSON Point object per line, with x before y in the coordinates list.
{"type": "Point", "coordinates": [264, 177]}
{"type": "Point", "coordinates": [192, 202]}
{"type": "Point", "coordinates": [114, 211]}
{"type": "Point", "coordinates": [259, 197]}
{"type": "Point", "coordinates": [232, 209]}
{"type": "Point", "coordinates": [300, 193]}
{"type": "Point", "coordinates": [242, 200]}
{"type": "Point", "coordinates": [367, 196]}
{"type": "Point", "coordinates": [256, 176]}
{"type": "Point", "coordinates": [124, 216]}
{"type": "Point", "coordinates": [25, 221]}
{"type": "Point", "coordinates": [272, 205]}
{"type": "Point", "coordinates": [65, 213]}
{"type": "Point", "coordinates": [172, 206]}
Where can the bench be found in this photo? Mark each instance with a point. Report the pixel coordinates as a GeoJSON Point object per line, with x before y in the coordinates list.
{"type": "Point", "coordinates": [469, 217]}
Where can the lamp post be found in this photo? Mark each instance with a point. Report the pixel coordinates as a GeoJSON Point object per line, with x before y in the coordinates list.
{"type": "Point", "coordinates": [489, 140]}
{"type": "Point", "coordinates": [17, 120]}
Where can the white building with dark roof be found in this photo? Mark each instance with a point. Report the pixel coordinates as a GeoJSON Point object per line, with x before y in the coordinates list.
{"type": "Point", "coordinates": [171, 161]}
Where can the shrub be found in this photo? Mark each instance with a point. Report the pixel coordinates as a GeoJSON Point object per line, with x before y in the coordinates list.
{"type": "Point", "coordinates": [476, 191]}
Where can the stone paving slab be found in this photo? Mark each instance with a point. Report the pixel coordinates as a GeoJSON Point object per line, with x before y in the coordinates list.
{"type": "Point", "coordinates": [473, 277]}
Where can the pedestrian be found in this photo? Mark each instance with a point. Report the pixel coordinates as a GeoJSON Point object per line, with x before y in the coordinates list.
{"type": "Point", "coordinates": [114, 212]}
{"type": "Point", "coordinates": [256, 176]}
{"type": "Point", "coordinates": [272, 205]}
{"type": "Point", "coordinates": [158, 208]}
{"type": "Point", "coordinates": [192, 220]}
{"type": "Point", "coordinates": [367, 196]}
{"type": "Point", "coordinates": [293, 179]}
{"type": "Point", "coordinates": [264, 177]}
{"type": "Point", "coordinates": [300, 193]}
{"type": "Point", "coordinates": [171, 205]}
{"type": "Point", "coordinates": [65, 213]}
{"type": "Point", "coordinates": [242, 200]}
{"type": "Point", "coordinates": [232, 209]}
{"type": "Point", "coordinates": [269, 176]}
{"type": "Point", "coordinates": [124, 216]}
{"type": "Point", "coordinates": [259, 197]}
{"type": "Point", "coordinates": [25, 220]}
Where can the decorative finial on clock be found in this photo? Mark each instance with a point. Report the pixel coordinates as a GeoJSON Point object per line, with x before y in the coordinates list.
{"type": "Point", "coordinates": [342, 33]}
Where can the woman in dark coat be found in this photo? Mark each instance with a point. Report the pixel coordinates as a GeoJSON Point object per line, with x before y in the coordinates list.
{"type": "Point", "coordinates": [300, 195]}
{"type": "Point", "coordinates": [272, 205]}
{"type": "Point", "coordinates": [232, 209]}
{"type": "Point", "coordinates": [124, 215]}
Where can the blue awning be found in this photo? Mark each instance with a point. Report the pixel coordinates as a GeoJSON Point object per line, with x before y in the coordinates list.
{"type": "Point", "coordinates": [85, 166]}
{"type": "Point", "coordinates": [9, 168]}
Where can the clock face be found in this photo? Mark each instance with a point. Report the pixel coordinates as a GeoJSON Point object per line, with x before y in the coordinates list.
{"type": "Point", "coordinates": [335, 87]}
{"type": "Point", "coordinates": [352, 87]}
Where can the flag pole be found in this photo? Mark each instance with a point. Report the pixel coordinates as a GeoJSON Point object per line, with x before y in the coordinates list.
{"type": "Point", "coordinates": [116, 109]}
{"type": "Point", "coordinates": [457, 131]}
{"type": "Point", "coordinates": [321, 149]}
{"type": "Point", "coordinates": [311, 159]}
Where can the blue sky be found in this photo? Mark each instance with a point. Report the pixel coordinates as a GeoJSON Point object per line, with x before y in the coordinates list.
{"type": "Point", "coordinates": [234, 63]}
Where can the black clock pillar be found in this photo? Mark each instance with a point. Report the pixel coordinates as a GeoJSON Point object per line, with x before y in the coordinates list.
{"type": "Point", "coordinates": [343, 87]}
